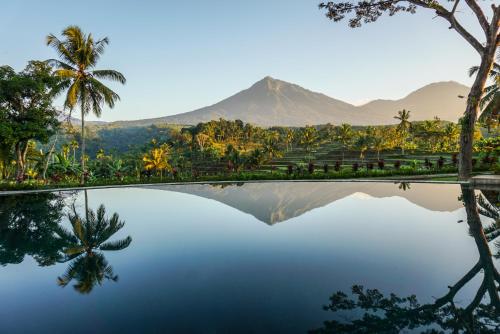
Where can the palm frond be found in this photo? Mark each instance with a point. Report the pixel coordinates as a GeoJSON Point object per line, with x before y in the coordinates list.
{"type": "Point", "coordinates": [99, 48]}
{"type": "Point", "coordinates": [61, 49]}
{"type": "Point", "coordinates": [65, 234]}
{"type": "Point", "coordinates": [60, 64]}
{"type": "Point", "coordinates": [116, 245]}
{"type": "Point", "coordinates": [77, 250]}
{"type": "Point", "coordinates": [473, 70]}
{"type": "Point", "coordinates": [110, 97]}
{"type": "Point", "coordinates": [110, 75]}
{"type": "Point", "coordinates": [72, 95]}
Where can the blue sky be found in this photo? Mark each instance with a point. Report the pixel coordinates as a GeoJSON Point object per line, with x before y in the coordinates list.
{"type": "Point", "coordinates": [183, 55]}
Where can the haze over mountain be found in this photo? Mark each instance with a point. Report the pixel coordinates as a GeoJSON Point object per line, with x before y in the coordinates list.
{"type": "Point", "coordinates": [274, 202]}
{"type": "Point", "coordinates": [274, 102]}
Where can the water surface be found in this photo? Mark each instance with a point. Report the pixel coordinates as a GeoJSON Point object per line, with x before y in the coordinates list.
{"type": "Point", "coordinates": [240, 258]}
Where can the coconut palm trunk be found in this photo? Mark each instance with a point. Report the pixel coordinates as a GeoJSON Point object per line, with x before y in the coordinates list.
{"type": "Point", "coordinates": [86, 204]}
{"type": "Point", "coordinates": [82, 181]}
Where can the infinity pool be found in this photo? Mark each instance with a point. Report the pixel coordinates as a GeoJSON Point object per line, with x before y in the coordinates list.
{"type": "Point", "coordinates": [250, 258]}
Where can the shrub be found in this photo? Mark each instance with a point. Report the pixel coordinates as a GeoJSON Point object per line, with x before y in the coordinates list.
{"type": "Point", "coordinates": [337, 166]}
{"type": "Point", "coordinates": [355, 167]}
{"type": "Point", "coordinates": [381, 164]}
{"type": "Point", "coordinates": [454, 159]}
{"type": "Point", "coordinates": [488, 160]}
{"type": "Point", "coordinates": [397, 164]}
{"type": "Point", "coordinates": [289, 169]}
{"type": "Point", "coordinates": [474, 162]}
{"type": "Point", "coordinates": [369, 166]}
{"type": "Point", "coordinates": [325, 168]}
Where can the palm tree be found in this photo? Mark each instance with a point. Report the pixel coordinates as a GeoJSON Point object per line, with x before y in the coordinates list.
{"type": "Point", "coordinates": [79, 54]}
{"type": "Point", "coordinates": [451, 137]}
{"type": "Point", "coordinates": [490, 103]}
{"type": "Point", "coordinates": [270, 146]}
{"type": "Point", "coordinates": [379, 141]}
{"type": "Point", "coordinates": [289, 138]}
{"type": "Point", "coordinates": [157, 160]}
{"type": "Point", "coordinates": [256, 158]}
{"type": "Point", "coordinates": [84, 243]}
{"type": "Point", "coordinates": [431, 132]}
{"type": "Point", "coordinates": [308, 139]}
{"type": "Point", "coordinates": [344, 137]}
{"type": "Point", "coordinates": [363, 144]}
{"type": "Point", "coordinates": [403, 127]}
{"type": "Point", "coordinates": [74, 147]}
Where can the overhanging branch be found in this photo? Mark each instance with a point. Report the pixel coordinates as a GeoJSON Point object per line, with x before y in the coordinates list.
{"type": "Point", "coordinates": [480, 16]}
{"type": "Point", "coordinates": [450, 17]}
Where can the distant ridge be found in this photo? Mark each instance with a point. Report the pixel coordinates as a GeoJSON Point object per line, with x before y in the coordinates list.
{"type": "Point", "coordinates": [271, 102]}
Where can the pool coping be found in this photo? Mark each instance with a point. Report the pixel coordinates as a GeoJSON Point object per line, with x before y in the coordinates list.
{"type": "Point", "coordinates": [145, 185]}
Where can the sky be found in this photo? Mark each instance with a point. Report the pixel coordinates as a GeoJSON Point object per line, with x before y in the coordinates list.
{"type": "Point", "coordinates": [178, 56]}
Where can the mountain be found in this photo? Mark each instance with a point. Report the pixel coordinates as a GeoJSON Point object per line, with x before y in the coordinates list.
{"type": "Point", "coordinates": [274, 102]}
{"type": "Point", "coordinates": [437, 99]}
{"type": "Point", "coordinates": [274, 202]}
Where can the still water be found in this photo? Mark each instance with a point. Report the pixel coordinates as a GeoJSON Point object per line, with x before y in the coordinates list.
{"type": "Point", "coordinates": [251, 258]}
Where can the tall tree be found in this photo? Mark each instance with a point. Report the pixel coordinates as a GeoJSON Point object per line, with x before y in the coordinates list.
{"type": "Point", "coordinates": [26, 111]}
{"type": "Point", "coordinates": [79, 54]}
{"type": "Point", "coordinates": [366, 11]}
{"type": "Point", "coordinates": [490, 103]}
{"type": "Point", "coordinates": [344, 136]}
{"type": "Point", "coordinates": [403, 127]}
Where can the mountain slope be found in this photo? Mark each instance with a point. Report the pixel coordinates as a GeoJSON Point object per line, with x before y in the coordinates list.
{"type": "Point", "coordinates": [437, 99]}
{"type": "Point", "coordinates": [274, 102]}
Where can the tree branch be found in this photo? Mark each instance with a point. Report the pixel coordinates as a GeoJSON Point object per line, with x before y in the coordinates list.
{"type": "Point", "coordinates": [480, 15]}
{"type": "Point", "coordinates": [477, 298]}
{"type": "Point", "coordinates": [449, 16]}
{"type": "Point", "coordinates": [495, 23]}
{"type": "Point", "coordinates": [453, 289]}
{"type": "Point", "coordinates": [454, 9]}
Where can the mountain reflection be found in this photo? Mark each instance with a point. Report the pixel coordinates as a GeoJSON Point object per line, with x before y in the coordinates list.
{"type": "Point", "coordinates": [276, 202]}
{"type": "Point", "coordinates": [394, 314]}
{"type": "Point", "coordinates": [84, 246]}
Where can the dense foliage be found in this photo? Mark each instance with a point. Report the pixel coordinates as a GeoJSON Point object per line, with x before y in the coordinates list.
{"type": "Point", "coordinates": [26, 112]}
{"type": "Point", "coordinates": [229, 149]}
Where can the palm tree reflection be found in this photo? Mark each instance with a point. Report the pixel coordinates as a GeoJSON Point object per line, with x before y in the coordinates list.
{"type": "Point", "coordinates": [394, 314]}
{"type": "Point", "coordinates": [85, 243]}
{"type": "Point", "coordinates": [404, 186]}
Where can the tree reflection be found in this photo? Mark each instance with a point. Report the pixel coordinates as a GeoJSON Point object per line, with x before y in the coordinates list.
{"type": "Point", "coordinates": [394, 314]}
{"type": "Point", "coordinates": [27, 226]}
{"type": "Point", "coordinates": [85, 243]}
{"type": "Point", "coordinates": [404, 186]}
